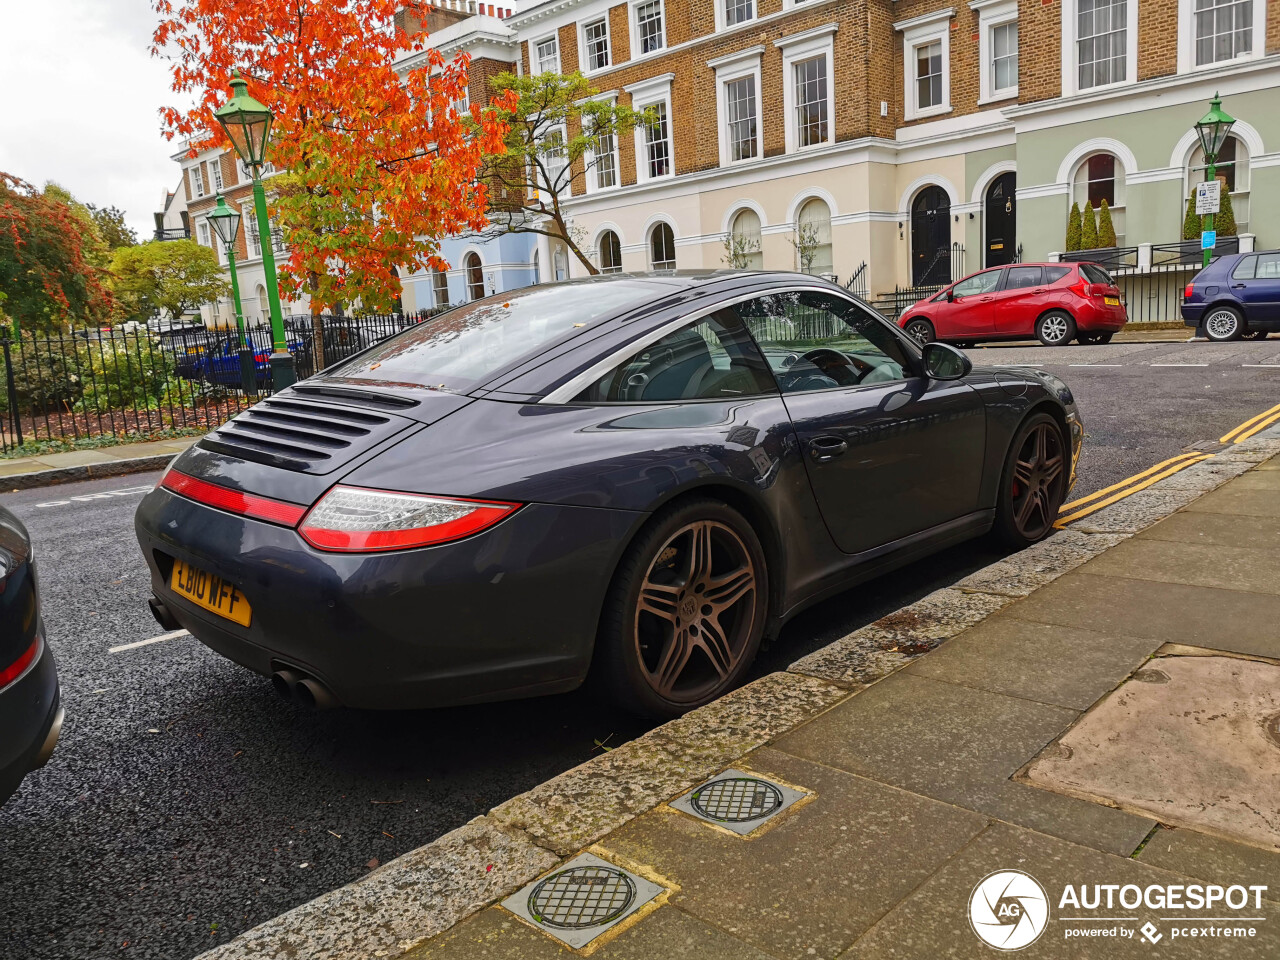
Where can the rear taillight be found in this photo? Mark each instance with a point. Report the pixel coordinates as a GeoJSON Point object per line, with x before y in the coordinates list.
{"type": "Point", "coordinates": [233, 501]}
{"type": "Point", "coordinates": [1186, 294]}
{"type": "Point", "coordinates": [14, 670]}
{"type": "Point", "coordinates": [357, 520]}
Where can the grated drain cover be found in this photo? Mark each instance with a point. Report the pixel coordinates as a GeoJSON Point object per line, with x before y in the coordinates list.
{"type": "Point", "coordinates": [584, 896]}
{"type": "Point", "coordinates": [737, 801]}
{"type": "Point", "coordinates": [582, 899]}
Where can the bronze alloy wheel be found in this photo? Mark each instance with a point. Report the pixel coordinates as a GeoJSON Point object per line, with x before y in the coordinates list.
{"type": "Point", "coordinates": [696, 611]}
{"type": "Point", "coordinates": [1038, 480]}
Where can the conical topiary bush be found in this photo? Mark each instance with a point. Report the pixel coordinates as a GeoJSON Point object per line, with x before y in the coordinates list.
{"type": "Point", "coordinates": [1106, 230]}
{"type": "Point", "coordinates": [1088, 228]}
{"type": "Point", "coordinates": [1073, 228]}
{"type": "Point", "coordinates": [1224, 221]}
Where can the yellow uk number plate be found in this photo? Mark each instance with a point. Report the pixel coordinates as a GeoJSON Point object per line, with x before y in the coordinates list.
{"type": "Point", "coordinates": [1111, 301]}
{"type": "Point", "coordinates": [212, 593]}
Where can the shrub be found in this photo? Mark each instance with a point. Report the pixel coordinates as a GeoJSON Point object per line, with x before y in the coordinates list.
{"type": "Point", "coordinates": [1088, 228]}
{"type": "Point", "coordinates": [48, 373]}
{"type": "Point", "coordinates": [1073, 227]}
{"type": "Point", "coordinates": [129, 372]}
{"type": "Point", "coordinates": [1224, 221]}
{"type": "Point", "coordinates": [1106, 230]}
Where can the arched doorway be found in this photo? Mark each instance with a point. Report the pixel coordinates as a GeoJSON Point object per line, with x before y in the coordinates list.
{"type": "Point", "coordinates": [931, 237]}
{"type": "Point", "coordinates": [1000, 221]}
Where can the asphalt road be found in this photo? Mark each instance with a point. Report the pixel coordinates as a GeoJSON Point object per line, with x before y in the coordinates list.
{"type": "Point", "coordinates": [186, 803]}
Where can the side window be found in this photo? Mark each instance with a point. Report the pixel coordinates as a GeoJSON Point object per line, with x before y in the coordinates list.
{"type": "Point", "coordinates": [1244, 269]}
{"type": "Point", "coordinates": [816, 341]}
{"type": "Point", "coordinates": [713, 359]}
{"type": "Point", "coordinates": [1268, 267]}
{"type": "Point", "coordinates": [978, 283]}
{"type": "Point", "coordinates": [1020, 277]}
{"type": "Point", "coordinates": [1054, 274]}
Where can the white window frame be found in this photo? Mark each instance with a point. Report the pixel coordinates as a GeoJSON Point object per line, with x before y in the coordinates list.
{"type": "Point", "coordinates": [1070, 67]}
{"type": "Point", "coordinates": [582, 43]}
{"type": "Point", "coordinates": [249, 223]}
{"type": "Point", "coordinates": [735, 66]}
{"type": "Point", "coordinates": [590, 183]}
{"type": "Point", "coordinates": [992, 14]}
{"type": "Point", "coordinates": [197, 181]}
{"type": "Point", "coordinates": [1187, 37]}
{"type": "Point", "coordinates": [206, 237]}
{"type": "Point", "coordinates": [919, 32]}
{"type": "Point", "coordinates": [792, 4]}
{"type": "Point", "coordinates": [818, 42]}
{"type": "Point", "coordinates": [564, 141]}
{"type": "Point", "coordinates": [535, 62]}
{"type": "Point", "coordinates": [646, 94]}
{"type": "Point", "coordinates": [633, 19]}
{"type": "Point", "coordinates": [215, 175]}
{"type": "Point", "coordinates": [722, 22]}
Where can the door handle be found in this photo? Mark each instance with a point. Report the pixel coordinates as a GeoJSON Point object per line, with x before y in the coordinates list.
{"type": "Point", "coordinates": [826, 448]}
{"type": "Point", "coordinates": [1237, 286]}
{"type": "Point", "coordinates": [986, 299]}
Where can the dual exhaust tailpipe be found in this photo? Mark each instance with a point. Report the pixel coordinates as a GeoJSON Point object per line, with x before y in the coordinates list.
{"type": "Point", "coordinates": [299, 688]}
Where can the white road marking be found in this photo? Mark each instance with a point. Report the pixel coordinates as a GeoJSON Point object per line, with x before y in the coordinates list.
{"type": "Point", "coordinates": [1177, 364]}
{"type": "Point", "coordinates": [89, 497]}
{"type": "Point", "coordinates": [144, 643]}
{"type": "Point", "coordinates": [1095, 364]}
{"type": "Point", "coordinates": [1262, 366]}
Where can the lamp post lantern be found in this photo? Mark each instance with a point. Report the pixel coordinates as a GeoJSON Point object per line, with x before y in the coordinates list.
{"type": "Point", "coordinates": [247, 124]}
{"type": "Point", "coordinates": [1212, 130]}
{"type": "Point", "coordinates": [226, 224]}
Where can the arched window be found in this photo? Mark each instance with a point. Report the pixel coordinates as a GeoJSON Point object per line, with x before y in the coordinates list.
{"type": "Point", "coordinates": [744, 240]}
{"type": "Point", "coordinates": [1101, 177]}
{"type": "Point", "coordinates": [610, 253]}
{"type": "Point", "coordinates": [537, 269]}
{"type": "Point", "coordinates": [475, 276]}
{"type": "Point", "coordinates": [813, 238]}
{"type": "Point", "coordinates": [662, 247]}
{"type": "Point", "coordinates": [1232, 166]}
{"type": "Point", "coordinates": [264, 307]}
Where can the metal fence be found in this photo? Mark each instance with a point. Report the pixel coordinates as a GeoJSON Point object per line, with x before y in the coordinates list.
{"type": "Point", "coordinates": [135, 384]}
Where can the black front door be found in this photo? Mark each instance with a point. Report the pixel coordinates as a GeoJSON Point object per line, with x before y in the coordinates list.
{"type": "Point", "coordinates": [1001, 221]}
{"type": "Point", "coordinates": [931, 238]}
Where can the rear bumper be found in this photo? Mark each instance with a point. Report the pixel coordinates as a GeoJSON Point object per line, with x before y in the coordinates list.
{"type": "Point", "coordinates": [1101, 318]}
{"type": "Point", "coordinates": [31, 718]}
{"type": "Point", "coordinates": [511, 612]}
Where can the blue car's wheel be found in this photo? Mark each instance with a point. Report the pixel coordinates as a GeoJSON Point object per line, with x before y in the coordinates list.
{"type": "Point", "coordinates": [1223, 323]}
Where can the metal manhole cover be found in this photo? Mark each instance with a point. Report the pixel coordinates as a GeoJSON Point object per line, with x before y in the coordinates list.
{"type": "Point", "coordinates": [586, 896]}
{"type": "Point", "coordinates": [736, 799]}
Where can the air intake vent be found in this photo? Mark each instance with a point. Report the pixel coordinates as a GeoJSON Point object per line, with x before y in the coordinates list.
{"type": "Point", "coordinates": [386, 401]}
{"type": "Point", "coordinates": [301, 434]}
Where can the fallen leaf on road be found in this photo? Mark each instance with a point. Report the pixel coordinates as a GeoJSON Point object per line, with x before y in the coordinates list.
{"type": "Point", "coordinates": [391, 835]}
{"type": "Point", "coordinates": [373, 864]}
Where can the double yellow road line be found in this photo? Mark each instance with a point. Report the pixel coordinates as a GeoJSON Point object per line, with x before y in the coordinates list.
{"type": "Point", "coordinates": [1078, 509]}
{"type": "Point", "coordinates": [1252, 426]}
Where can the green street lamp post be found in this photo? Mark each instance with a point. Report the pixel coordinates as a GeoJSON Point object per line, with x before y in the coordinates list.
{"type": "Point", "coordinates": [1212, 129]}
{"type": "Point", "coordinates": [226, 224]}
{"type": "Point", "coordinates": [247, 124]}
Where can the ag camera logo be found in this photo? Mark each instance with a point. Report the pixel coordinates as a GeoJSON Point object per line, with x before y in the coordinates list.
{"type": "Point", "coordinates": [1008, 910]}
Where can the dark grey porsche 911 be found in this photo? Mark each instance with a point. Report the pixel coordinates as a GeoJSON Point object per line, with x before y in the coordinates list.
{"type": "Point", "coordinates": [633, 476]}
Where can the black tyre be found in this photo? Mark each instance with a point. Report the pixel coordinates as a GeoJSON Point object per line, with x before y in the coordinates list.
{"type": "Point", "coordinates": [1223, 323]}
{"type": "Point", "coordinates": [685, 613]}
{"type": "Point", "coordinates": [1091, 339]}
{"type": "Point", "coordinates": [920, 330]}
{"type": "Point", "coordinates": [1056, 328]}
{"type": "Point", "coordinates": [1034, 482]}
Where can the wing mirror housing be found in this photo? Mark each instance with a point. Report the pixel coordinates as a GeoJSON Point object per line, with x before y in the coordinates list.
{"type": "Point", "coordinates": [951, 295]}
{"type": "Point", "coordinates": [944, 362]}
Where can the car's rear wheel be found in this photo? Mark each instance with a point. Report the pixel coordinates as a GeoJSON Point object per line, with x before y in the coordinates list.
{"type": "Point", "coordinates": [686, 612]}
{"type": "Point", "coordinates": [1224, 323]}
{"type": "Point", "coordinates": [1034, 482]}
{"type": "Point", "coordinates": [920, 330]}
{"type": "Point", "coordinates": [1095, 338]}
{"type": "Point", "coordinates": [1056, 328]}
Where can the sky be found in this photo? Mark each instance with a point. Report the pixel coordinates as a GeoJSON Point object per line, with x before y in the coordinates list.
{"type": "Point", "coordinates": [81, 95]}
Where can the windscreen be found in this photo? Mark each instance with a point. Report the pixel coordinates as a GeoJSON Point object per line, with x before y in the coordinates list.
{"type": "Point", "coordinates": [464, 347]}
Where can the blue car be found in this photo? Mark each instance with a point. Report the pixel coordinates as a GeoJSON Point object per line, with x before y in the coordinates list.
{"type": "Point", "coordinates": [220, 363]}
{"type": "Point", "coordinates": [1235, 297]}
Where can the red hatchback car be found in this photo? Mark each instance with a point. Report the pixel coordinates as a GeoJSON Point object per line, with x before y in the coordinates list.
{"type": "Point", "coordinates": [1056, 302]}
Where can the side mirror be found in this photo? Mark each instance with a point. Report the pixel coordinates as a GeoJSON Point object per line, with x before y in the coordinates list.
{"type": "Point", "coordinates": [951, 295]}
{"type": "Point", "coordinates": [944, 362]}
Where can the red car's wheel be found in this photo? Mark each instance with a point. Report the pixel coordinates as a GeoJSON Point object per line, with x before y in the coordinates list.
{"type": "Point", "coordinates": [920, 330]}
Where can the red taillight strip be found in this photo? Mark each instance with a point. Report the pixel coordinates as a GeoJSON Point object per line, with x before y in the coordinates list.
{"type": "Point", "coordinates": [14, 670]}
{"type": "Point", "coordinates": [233, 501]}
{"type": "Point", "coordinates": [486, 514]}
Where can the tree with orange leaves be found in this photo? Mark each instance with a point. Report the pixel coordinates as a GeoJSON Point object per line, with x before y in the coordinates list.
{"type": "Point", "coordinates": [377, 167]}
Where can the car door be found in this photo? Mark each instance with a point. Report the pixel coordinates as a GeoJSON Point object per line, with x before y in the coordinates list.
{"type": "Point", "coordinates": [1255, 282]}
{"type": "Point", "coordinates": [1021, 299]}
{"type": "Point", "coordinates": [888, 451]}
{"type": "Point", "coordinates": [970, 312]}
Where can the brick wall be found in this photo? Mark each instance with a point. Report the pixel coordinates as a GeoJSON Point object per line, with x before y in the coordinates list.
{"type": "Point", "coordinates": [483, 70]}
{"type": "Point", "coordinates": [1157, 38]}
{"type": "Point", "coordinates": [620, 35]}
{"type": "Point", "coordinates": [1039, 50]}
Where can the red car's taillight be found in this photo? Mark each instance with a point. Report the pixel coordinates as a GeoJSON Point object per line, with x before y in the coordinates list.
{"type": "Point", "coordinates": [233, 501]}
{"type": "Point", "coordinates": [14, 670]}
{"type": "Point", "coordinates": [358, 520]}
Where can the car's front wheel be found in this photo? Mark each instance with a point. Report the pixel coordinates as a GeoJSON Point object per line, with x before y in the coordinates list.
{"type": "Point", "coordinates": [1034, 482]}
{"type": "Point", "coordinates": [1056, 328]}
{"type": "Point", "coordinates": [1223, 324]}
{"type": "Point", "coordinates": [686, 612]}
{"type": "Point", "coordinates": [920, 330]}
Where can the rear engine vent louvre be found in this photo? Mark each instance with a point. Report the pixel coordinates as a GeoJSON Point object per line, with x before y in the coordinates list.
{"type": "Point", "coordinates": [386, 401]}
{"type": "Point", "coordinates": [301, 434]}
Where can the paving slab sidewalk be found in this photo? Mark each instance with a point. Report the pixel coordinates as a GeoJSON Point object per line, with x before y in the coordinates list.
{"type": "Point", "coordinates": [910, 739]}
{"type": "Point", "coordinates": [22, 473]}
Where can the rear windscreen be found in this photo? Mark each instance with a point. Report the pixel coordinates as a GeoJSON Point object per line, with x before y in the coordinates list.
{"type": "Point", "coordinates": [464, 347]}
{"type": "Point", "coordinates": [1095, 274]}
